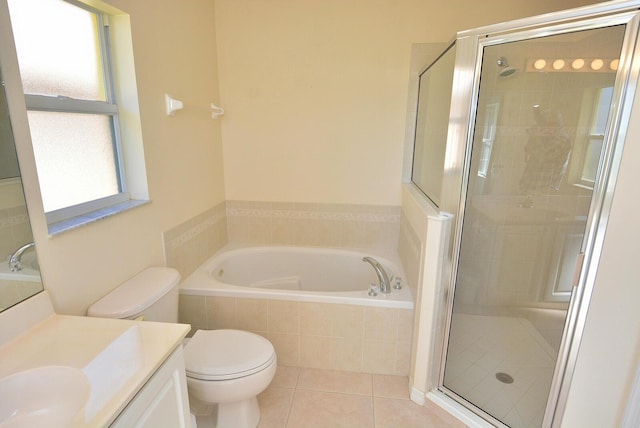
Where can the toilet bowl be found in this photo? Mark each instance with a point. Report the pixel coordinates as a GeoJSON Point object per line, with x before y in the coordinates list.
{"type": "Point", "coordinates": [226, 369]}
{"type": "Point", "coordinates": [223, 385]}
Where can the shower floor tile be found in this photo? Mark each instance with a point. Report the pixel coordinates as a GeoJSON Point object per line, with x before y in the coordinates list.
{"type": "Point", "coordinates": [487, 345]}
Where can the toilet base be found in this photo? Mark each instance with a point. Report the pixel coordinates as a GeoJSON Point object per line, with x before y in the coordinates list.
{"type": "Point", "coordinates": [236, 414]}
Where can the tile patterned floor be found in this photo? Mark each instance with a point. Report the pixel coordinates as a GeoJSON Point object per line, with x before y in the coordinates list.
{"type": "Point", "coordinates": [301, 397]}
{"type": "Point", "coordinates": [482, 346]}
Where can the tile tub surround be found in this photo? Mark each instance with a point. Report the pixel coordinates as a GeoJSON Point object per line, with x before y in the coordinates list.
{"type": "Point", "coordinates": [189, 244]}
{"type": "Point", "coordinates": [308, 224]}
{"type": "Point", "coordinates": [303, 397]}
{"type": "Point", "coordinates": [316, 335]}
{"type": "Point", "coordinates": [409, 250]}
{"type": "Point", "coordinates": [16, 291]}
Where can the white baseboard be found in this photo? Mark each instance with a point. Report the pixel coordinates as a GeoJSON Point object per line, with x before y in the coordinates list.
{"type": "Point", "coordinates": [417, 396]}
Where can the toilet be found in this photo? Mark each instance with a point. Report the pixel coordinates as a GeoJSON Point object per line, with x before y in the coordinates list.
{"type": "Point", "coordinates": [226, 369]}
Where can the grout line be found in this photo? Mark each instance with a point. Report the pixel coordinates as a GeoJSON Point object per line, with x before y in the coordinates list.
{"type": "Point", "coordinates": [300, 369]}
{"type": "Point", "coordinates": [373, 392]}
{"type": "Point", "coordinates": [373, 400]}
{"type": "Point", "coordinates": [373, 410]}
{"type": "Point", "coordinates": [335, 392]}
{"type": "Point", "coordinates": [293, 397]}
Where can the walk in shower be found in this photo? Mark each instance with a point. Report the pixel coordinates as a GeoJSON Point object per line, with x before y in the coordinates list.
{"type": "Point", "coordinates": [527, 177]}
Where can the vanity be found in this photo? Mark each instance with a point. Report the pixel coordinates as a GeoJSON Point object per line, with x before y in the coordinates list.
{"type": "Point", "coordinates": [76, 371]}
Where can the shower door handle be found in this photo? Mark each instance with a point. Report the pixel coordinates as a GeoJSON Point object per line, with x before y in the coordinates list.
{"type": "Point", "coordinates": [578, 270]}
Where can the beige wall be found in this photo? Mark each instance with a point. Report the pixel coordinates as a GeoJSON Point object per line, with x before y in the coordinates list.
{"type": "Point", "coordinates": [174, 48]}
{"type": "Point", "coordinates": [315, 92]}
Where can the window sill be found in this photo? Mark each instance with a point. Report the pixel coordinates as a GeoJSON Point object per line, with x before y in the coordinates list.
{"type": "Point", "coordinates": [94, 216]}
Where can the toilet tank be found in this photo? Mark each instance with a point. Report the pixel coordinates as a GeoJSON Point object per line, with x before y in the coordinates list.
{"type": "Point", "coordinates": [151, 294]}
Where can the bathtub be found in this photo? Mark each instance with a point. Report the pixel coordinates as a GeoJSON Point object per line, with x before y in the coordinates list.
{"type": "Point", "coordinates": [297, 274]}
{"type": "Point", "coordinates": [311, 303]}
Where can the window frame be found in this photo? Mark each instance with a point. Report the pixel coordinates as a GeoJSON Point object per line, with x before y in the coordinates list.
{"type": "Point", "coordinates": [592, 137]}
{"type": "Point", "coordinates": [110, 108]}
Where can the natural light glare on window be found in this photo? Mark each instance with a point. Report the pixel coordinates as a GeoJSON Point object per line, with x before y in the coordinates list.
{"type": "Point", "coordinates": [65, 62]}
{"type": "Point", "coordinates": [56, 60]}
{"type": "Point", "coordinates": [74, 157]}
{"type": "Point", "coordinates": [596, 135]}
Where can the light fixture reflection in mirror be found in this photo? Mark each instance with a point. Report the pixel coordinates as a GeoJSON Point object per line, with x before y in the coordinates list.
{"type": "Point", "coordinates": [577, 63]}
{"type": "Point", "coordinates": [597, 64]}
{"type": "Point", "coordinates": [572, 65]}
{"type": "Point", "coordinates": [25, 281]}
{"type": "Point", "coordinates": [539, 64]}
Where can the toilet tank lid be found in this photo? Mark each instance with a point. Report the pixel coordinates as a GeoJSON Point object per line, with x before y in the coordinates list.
{"type": "Point", "coordinates": [136, 294]}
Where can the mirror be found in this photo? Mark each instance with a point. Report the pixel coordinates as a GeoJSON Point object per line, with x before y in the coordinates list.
{"type": "Point", "coordinates": [20, 274]}
{"type": "Point", "coordinates": [432, 124]}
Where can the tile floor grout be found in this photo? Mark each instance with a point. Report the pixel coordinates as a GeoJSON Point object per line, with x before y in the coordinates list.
{"type": "Point", "coordinates": [304, 397]}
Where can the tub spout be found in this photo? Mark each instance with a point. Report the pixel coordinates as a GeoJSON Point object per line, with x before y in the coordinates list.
{"type": "Point", "coordinates": [15, 263]}
{"type": "Point", "coordinates": [385, 285]}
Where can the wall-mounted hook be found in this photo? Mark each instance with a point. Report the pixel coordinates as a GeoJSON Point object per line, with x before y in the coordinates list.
{"type": "Point", "coordinates": [216, 111]}
{"type": "Point", "coordinates": [172, 105]}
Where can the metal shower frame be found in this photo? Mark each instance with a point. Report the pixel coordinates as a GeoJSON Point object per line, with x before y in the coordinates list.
{"type": "Point", "coordinates": [469, 55]}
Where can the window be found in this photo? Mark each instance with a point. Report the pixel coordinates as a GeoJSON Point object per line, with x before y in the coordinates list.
{"type": "Point", "coordinates": [64, 54]}
{"type": "Point", "coordinates": [595, 137]}
{"type": "Point", "coordinates": [488, 135]}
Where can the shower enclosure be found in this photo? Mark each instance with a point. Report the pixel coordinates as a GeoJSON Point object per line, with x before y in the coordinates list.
{"type": "Point", "coordinates": [537, 120]}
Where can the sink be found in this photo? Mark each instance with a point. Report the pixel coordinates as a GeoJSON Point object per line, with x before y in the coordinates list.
{"type": "Point", "coordinates": [42, 396]}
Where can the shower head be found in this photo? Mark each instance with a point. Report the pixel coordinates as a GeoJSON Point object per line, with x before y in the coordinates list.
{"type": "Point", "coordinates": [505, 70]}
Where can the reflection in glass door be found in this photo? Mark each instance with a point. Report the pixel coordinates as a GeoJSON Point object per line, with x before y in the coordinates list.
{"type": "Point", "coordinates": [542, 111]}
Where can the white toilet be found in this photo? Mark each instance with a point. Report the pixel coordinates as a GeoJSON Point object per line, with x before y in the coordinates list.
{"type": "Point", "coordinates": [226, 369]}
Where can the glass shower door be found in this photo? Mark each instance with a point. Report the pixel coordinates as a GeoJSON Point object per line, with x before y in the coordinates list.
{"type": "Point", "coordinates": [541, 117]}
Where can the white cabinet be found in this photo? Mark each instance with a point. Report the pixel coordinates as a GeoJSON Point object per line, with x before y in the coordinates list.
{"type": "Point", "coordinates": [517, 256]}
{"type": "Point", "coordinates": [162, 402]}
{"type": "Point", "coordinates": [518, 261]}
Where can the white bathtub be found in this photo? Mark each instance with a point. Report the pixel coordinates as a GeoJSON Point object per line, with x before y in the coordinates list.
{"type": "Point", "coordinates": [298, 274]}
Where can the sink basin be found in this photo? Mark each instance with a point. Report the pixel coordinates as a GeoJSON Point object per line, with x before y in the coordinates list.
{"type": "Point", "coordinates": [43, 396]}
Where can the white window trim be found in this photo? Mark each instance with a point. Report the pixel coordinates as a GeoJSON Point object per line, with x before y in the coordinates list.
{"type": "Point", "coordinates": [78, 210]}
{"type": "Point", "coordinates": [582, 181]}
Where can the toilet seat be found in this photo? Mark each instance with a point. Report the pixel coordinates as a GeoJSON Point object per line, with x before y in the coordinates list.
{"type": "Point", "coordinates": [226, 354]}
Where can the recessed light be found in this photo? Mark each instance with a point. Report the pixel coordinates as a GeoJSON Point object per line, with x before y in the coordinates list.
{"type": "Point", "coordinates": [558, 64]}
{"type": "Point", "coordinates": [614, 64]}
{"type": "Point", "coordinates": [597, 64]}
{"type": "Point", "coordinates": [539, 64]}
{"type": "Point", "coordinates": [577, 64]}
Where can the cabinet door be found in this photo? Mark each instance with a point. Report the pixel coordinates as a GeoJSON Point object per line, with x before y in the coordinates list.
{"type": "Point", "coordinates": [162, 402]}
{"type": "Point", "coordinates": [514, 270]}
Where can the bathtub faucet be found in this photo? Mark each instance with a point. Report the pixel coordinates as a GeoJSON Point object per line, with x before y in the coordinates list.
{"type": "Point", "coordinates": [385, 285]}
{"type": "Point", "coordinates": [14, 261]}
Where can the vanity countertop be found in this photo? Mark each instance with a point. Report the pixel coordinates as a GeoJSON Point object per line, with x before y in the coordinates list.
{"type": "Point", "coordinates": [117, 356]}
